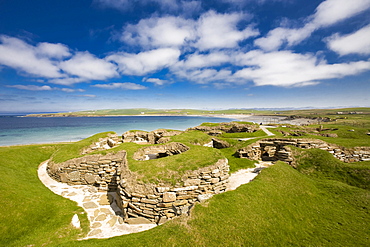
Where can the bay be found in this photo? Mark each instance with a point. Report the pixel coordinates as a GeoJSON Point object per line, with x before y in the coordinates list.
{"type": "Point", "coordinates": [16, 130]}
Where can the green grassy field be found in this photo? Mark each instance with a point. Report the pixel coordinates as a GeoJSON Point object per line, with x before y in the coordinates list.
{"type": "Point", "coordinates": [323, 202]}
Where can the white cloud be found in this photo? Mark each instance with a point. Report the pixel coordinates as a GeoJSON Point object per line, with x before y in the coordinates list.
{"type": "Point", "coordinates": [157, 81]}
{"type": "Point", "coordinates": [205, 76]}
{"type": "Point", "coordinates": [31, 87]}
{"type": "Point", "coordinates": [286, 69]}
{"type": "Point", "coordinates": [327, 13]}
{"type": "Point", "coordinates": [119, 85]}
{"type": "Point", "coordinates": [211, 31]}
{"type": "Point", "coordinates": [220, 31]}
{"type": "Point", "coordinates": [86, 65]}
{"type": "Point", "coordinates": [330, 12]}
{"type": "Point", "coordinates": [159, 32]}
{"type": "Point", "coordinates": [53, 50]}
{"type": "Point", "coordinates": [354, 43]}
{"type": "Point", "coordinates": [197, 60]}
{"type": "Point", "coordinates": [279, 36]}
{"type": "Point", "coordinates": [70, 90]}
{"type": "Point", "coordinates": [32, 60]}
{"type": "Point", "coordinates": [145, 62]}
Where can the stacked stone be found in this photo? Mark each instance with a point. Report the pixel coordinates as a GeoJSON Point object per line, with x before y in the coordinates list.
{"type": "Point", "coordinates": [283, 153]}
{"type": "Point", "coordinates": [166, 202]}
{"type": "Point", "coordinates": [160, 151]}
{"type": "Point", "coordinates": [154, 137]}
{"type": "Point", "coordinates": [98, 170]}
{"type": "Point", "coordinates": [350, 155]}
{"type": "Point", "coordinates": [233, 127]}
{"type": "Point", "coordinates": [109, 142]}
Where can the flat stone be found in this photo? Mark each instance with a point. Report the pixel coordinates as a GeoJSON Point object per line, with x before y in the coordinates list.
{"type": "Point", "coordinates": [105, 210]}
{"type": "Point", "coordinates": [112, 222]}
{"type": "Point", "coordinates": [63, 177]}
{"type": "Point", "coordinates": [72, 194]}
{"type": "Point", "coordinates": [104, 200]}
{"type": "Point", "coordinates": [74, 176]}
{"type": "Point", "coordinates": [169, 197]}
{"type": "Point", "coordinates": [96, 225]}
{"type": "Point", "coordinates": [95, 232]}
{"type": "Point", "coordinates": [90, 178]}
{"type": "Point", "coordinates": [87, 199]}
{"type": "Point", "coordinates": [89, 205]}
{"type": "Point", "coordinates": [96, 212]}
{"type": "Point", "coordinates": [163, 189]}
{"type": "Point", "coordinates": [101, 217]}
{"type": "Point", "coordinates": [137, 221]}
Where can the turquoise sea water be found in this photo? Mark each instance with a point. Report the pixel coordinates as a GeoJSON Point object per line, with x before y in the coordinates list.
{"type": "Point", "coordinates": [29, 130]}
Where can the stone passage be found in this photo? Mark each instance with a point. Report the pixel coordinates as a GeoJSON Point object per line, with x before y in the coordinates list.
{"type": "Point", "coordinates": [277, 149]}
{"type": "Point", "coordinates": [155, 152]}
{"type": "Point", "coordinates": [147, 203]}
{"type": "Point", "coordinates": [98, 170]}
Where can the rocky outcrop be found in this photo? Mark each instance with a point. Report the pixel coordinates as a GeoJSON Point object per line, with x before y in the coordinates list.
{"type": "Point", "coordinates": [233, 127]}
{"type": "Point", "coordinates": [160, 151]}
{"type": "Point", "coordinates": [278, 149]}
{"type": "Point", "coordinates": [153, 137]}
{"type": "Point", "coordinates": [98, 170]}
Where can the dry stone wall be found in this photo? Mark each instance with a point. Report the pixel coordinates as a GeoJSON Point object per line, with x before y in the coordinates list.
{"type": "Point", "coordinates": [154, 137]}
{"type": "Point", "coordinates": [98, 170]}
{"type": "Point", "coordinates": [148, 203]}
{"type": "Point", "coordinates": [160, 151]}
{"type": "Point", "coordinates": [277, 149]}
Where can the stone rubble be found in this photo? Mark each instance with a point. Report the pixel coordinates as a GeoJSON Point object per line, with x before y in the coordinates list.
{"type": "Point", "coordinates": [274, 149]}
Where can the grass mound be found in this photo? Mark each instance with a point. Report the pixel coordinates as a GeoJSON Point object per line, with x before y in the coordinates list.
{"type": "Point", "coordinates": [73, 150]}
{"type": "Point", "coordinates": [321, 164]}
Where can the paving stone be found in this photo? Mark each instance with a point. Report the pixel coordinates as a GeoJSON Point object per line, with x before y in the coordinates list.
{"type": "Point", "coordinates": [95, 232]}
{"type": "Point", "coordinates": [89, 205]}
{"type": "Point", "coordinates": [101, 217]}
{"type": "Point", "coordinates": [96, 225]}
{"type": "Point", "coordinates": [112, 221]}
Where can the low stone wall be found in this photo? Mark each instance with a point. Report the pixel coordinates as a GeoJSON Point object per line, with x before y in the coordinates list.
{"type": "Point", "coordinates": [233, 127]}
{"type": "Point", "coordinates": [277, 149]}
{"type": "Point", "coordinates": [148, 203]}
{"type": "Point", "coordinates": [160, 151]}
{"type": "Point", "coordinates": [98, 170]}
{"type": "Point", "coordinates": [154, 137]}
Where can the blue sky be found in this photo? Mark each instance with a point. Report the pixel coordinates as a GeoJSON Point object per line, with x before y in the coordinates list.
{"type": "Point", "coordinates": [108, 54]}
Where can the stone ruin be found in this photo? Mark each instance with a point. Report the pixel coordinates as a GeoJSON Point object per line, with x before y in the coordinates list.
{"type": "Point", "coordinates": [154, 137]}
{"type": "Point", "coordinates": [140, 202]}
{"type": "Point", "coordinates": [111, 141]}
{"type": "Point", "coordinates": [274, 149]}
{"type": "Point", "coordinates": [101, 171]}
{"type": "Point", "coordinates": [233, 127]}
{"type": "Point", "coordinates": [160, 151]}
